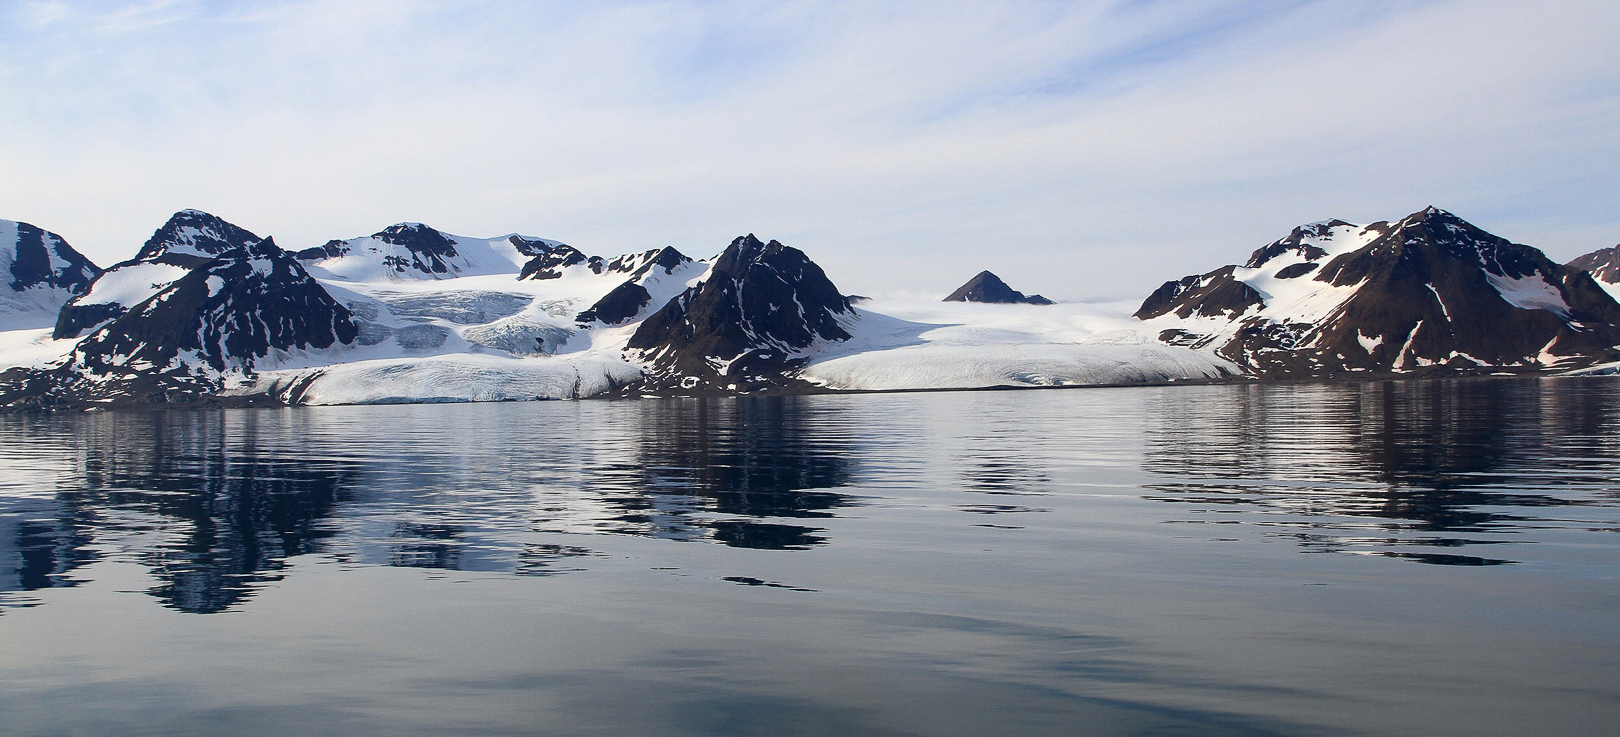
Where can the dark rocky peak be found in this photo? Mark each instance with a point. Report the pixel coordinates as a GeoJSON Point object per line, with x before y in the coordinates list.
{"type": "Point", "coordinates": [638, 264]}
{"type": "Point", "coordinates": [530, 246]}
{"type": "Point", "coordinates": [1415, 245]}
{"type": "Point", "coordinates": [331, 249]}
{"type": "Point", "coordinates": [550, 265]}
{"type": "Point", "coordinates": [1603, 264]}
{"type": "Point", "coordinates": [417, 237]}
{"type": "Point", "coordinates": [191, 237]}
{"type": "Point", "coordinates": [1216, 294]}
{"type": "Point", "coordinates": [430, 250]}
{"type": "Point", "coordinates": [224, 315]}
{"type": "Point", "coordinates": [760, 307]}
{"type": "Point", "coordinates": [989, 288]}
{"type": "Point", "coordinates": [40, 259]}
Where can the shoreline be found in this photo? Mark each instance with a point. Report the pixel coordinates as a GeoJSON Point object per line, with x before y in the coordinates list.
{"type": "Point", "coordinates": [627, 394]}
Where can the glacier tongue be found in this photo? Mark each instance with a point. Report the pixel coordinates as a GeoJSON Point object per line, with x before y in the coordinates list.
{"type": "Point", "coordinates": [443, 378]}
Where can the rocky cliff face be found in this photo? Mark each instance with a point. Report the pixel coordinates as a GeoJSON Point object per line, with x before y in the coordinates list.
{"type": "Point", "coordinates": [1427, 292]}
{"type": "Point", "coordinates": [761, 308]}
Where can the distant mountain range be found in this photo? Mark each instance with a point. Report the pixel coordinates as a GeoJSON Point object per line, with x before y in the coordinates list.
{"type": "Point", "coordinates": [207, 312]}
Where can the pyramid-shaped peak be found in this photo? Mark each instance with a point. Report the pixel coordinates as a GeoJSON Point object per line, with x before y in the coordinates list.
{"type": "Point", "coordinates": [190, 237]}
{"type": "Point", "coordinates": [988, 288]}
{"type": "Point", "coordinates": [406, 229]}
{"type": "Point", "coordinates": [1430, 213]}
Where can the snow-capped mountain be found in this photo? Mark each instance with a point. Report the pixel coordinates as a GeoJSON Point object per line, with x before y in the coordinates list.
{"type": "Point", "coordinates": [553, 264]}
{"type": "Point", "coordinates": [1429, 290]}
{"type": "Point", "coordinates": [655, 277]}
{"type": "Point", "coordinates": [761, 306]}
{"type": "Point", "coordinates": [189, 238]}
{"type": "Point", "coordinates": [223, 317]}
{"type": "Point", "coordinates": [415, 251]}
{"type": "Point", "coordinates": [42, 273]}
{"type": "Point", "coordinates": [989, 288]}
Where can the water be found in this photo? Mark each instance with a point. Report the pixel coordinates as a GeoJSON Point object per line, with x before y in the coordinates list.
{"type": "Point", "coordinates": [1378, 558]}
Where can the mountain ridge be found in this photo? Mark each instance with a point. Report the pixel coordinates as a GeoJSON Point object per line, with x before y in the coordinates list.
{"type": "Point", "coordinates": [209, 312]}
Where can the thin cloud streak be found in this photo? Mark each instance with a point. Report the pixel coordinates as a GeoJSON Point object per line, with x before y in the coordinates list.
{"type": "Point", "coordinates": [1077, 149]}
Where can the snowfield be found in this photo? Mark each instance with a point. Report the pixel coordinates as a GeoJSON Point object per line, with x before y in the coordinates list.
{"type": "Point", "coordinates": [30, 347]}
{"type": "Point", "coordinates": [956, 345]}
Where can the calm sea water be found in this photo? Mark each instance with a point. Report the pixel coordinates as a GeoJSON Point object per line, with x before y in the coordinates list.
{"type": "Point", "coordinates": [1380, 558]}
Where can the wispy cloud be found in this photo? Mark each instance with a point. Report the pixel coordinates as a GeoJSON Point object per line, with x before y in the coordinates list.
{"type": "Point", "coordinates": [1077, 149]}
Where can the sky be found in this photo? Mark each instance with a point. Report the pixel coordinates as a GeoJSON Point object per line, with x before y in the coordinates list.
{"type": "Point", "coordinates": [1082, 150]}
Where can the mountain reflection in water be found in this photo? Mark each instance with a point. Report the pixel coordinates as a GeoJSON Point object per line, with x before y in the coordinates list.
{"type": "Point", "coordinates": [213, 503]}
{"type": "Point", "coordinates": [1233, 559]}
{"type": "Point", "coordinates": [1424, 462]}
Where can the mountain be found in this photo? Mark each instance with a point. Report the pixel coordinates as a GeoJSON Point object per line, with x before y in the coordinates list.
{"type": "Point", "coordinates": [760, 310]}
{"type": "Point", "coordinates": [551, 265]}
{"type": "Point", "coordinates": [408, 251]}
{"type": "Point", "coordinates": [1603, 264]}
{"type": "Point", "coordinates": [182, 343]}
{"type": "Point", "coordinates": [1428, 292]}
{"type": "Point", "coordinates": [42, 273]}
{"type": "Point", "coordinates": [989, 288]}
{"type": "Point", "coordinates": [655, 277]}
{"type": "Point", "coordinates": [189, 238]}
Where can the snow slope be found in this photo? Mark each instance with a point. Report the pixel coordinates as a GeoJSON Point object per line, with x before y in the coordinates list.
{"type": "Point", "coordinates": [31, 347]}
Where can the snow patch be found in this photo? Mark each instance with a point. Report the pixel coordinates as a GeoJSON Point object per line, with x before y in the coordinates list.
{"type": "Point", "coordinates": [1530, 293]}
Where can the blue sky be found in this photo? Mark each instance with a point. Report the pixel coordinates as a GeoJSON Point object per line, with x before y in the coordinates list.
{"type": "Point", "coordinates": [1080, 150]}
